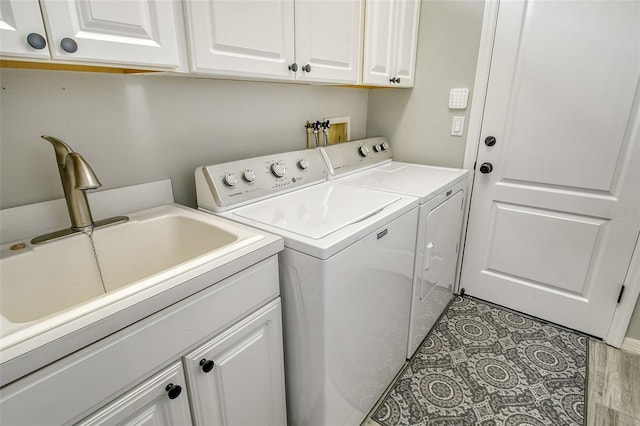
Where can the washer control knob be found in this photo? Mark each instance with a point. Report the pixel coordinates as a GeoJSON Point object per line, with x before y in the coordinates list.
{"type": "Point", "coordinates": [363, 151]}
{"type": "Point", "coordinates": [384, 146]}
{"type": "Point", "coordinates": [249, 175]}
{"type": "Point", "coordinates": [230, 179]}
{"type": "Point", "coordinates": [377, 148]}
{"type": "Point", "coordinates": [303, 164]}
{"type": "Point", "coordinates": [278, 169]}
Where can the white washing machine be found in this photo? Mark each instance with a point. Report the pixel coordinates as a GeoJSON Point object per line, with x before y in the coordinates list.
{"type": "Point", "coordinates": [345, 276]}
{"type": "Point", "coordinates": [441, 191]}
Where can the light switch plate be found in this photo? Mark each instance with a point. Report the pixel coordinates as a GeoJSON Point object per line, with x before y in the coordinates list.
{"type": "Point", "coordinates": [458, 98]}
{"type": "Point", "coordinates": [457, 126]}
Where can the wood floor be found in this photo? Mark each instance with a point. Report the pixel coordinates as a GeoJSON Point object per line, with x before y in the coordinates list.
{"type": "Point", "coordinates": [613, 395]}
{"type": "Point", "coordinates": [614, 386]}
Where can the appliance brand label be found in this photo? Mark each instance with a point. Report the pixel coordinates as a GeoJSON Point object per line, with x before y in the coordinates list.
{"type": "Point", "coordinates": [383, 233]}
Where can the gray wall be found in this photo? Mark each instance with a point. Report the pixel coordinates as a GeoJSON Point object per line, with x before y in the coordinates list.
{"type": "Point", "coordinates": [135, 129]}
{"type": "Point", "coordinates": [634, 326]}
{"type": "Point", "coordinates": [418, 121]}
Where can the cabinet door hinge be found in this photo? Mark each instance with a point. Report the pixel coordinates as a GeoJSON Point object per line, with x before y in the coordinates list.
{"type": "Point", "coordinates": [620, 295]}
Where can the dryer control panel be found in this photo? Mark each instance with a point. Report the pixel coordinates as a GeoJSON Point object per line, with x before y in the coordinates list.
{"type": "Point", "coordinates": [348, 157]}
{"type": "Point", "coordinates": [220, 187]}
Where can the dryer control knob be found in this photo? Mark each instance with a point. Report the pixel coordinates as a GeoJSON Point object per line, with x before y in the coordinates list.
{"type": "Point", "coordinates": [249, 175]}
{"type": "Point", "coordinates": [377, 148]}
{"type": "Point", "coordinates": [230, 179]}
{"type": "Point", "coordinates": [363, 151]}
{"type": "Point", "coordinates": [385, 146]}
{"type": "Point", "coordinates": [278, 169]}
{"type": "Point", "coordinates": [303, 164]}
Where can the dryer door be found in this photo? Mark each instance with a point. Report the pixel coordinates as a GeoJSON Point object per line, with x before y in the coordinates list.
{"type": "Point", "coordinates": [441, 246]}
{"type": "Point", "coordinates": [434, 279]}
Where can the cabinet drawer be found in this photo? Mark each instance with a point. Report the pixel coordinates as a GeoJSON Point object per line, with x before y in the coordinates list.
{"type": "Point", "coordinates": [109, 367]}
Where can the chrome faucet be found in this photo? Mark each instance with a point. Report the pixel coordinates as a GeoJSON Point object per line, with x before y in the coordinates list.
{"type": "Point", "coordinates": [77, 177]}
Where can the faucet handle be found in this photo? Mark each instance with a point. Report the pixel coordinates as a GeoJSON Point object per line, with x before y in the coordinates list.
{"type": "Point", "coordinates": [85, 178]}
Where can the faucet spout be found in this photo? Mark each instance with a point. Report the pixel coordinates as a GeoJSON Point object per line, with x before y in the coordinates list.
{"type": "Point", "coordinates": [76, 176]}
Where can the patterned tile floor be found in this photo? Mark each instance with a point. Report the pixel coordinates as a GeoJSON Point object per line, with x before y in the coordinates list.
{"type": "Point", "coordinates": [613, 394]}
{"type": "Point", "coordinates": [486, 365]}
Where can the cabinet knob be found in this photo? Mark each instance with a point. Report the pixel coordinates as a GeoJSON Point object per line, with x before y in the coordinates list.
{"type": "Point", "coordinates": [173, 391]}
{"type": "Point", "coordinates": [490, 141]}
{"type": "Point", "coordinates": [398, 80]}
{"type": "Point", "coordinates": [36, 41]}
{"type": "Point", "coordinates": [392, 80]}
{"type": "Point", "coordinates": [69, 45]}
{"type": "Point", "coordinates": [486, 168]}
{"type": "Point", "coordinates": [293, 67]}
{"type": "Point", "coordinates": [207, 365]}
{"type": "Point", "coordinates": [306, 68]}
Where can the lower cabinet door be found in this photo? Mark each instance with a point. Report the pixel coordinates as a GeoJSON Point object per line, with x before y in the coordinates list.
{"type": "Point", "coordinates": [237, 378]}
{"type": "Point", "coordinates": [161, 400]}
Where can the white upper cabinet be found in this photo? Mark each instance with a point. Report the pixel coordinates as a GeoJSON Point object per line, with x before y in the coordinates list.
{"type": "Point", "coordinates": [306, 40]}
{"type": "Point", "coordinates": [391, 41]}
{"type": "Point", "coordinates": [129, 32]}
{"type": "Point", "coordinates": [328, 40]}
{"type": "Point", "coordinates": [251, 38]}
{"type": "Point", "coordinates": [21, 30]}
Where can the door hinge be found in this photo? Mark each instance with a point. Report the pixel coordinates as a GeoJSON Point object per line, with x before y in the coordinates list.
{"type": "Point", "coordinates": [620, 295]}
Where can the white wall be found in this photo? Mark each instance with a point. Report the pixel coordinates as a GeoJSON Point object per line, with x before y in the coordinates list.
{"type": "Point", "coordinates": [418, 121]}
{"type": "Point", "coordinates": [134, 129]}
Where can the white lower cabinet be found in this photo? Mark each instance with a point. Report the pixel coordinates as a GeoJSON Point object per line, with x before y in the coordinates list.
{"type": "Point", "coordinates": [161, 400]}
{"type": "Point", "coordinates": [135, 376]}
{"type": "Point", "coordinates": [237, 378]}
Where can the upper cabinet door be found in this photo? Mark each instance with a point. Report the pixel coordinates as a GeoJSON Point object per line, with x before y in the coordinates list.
{"type": "Point", "coordinates": [378, 42]}
{"type": "Point", "coordinates": [328, 40]}
{"type": "Point", "coordinates": [250, 38]}
{"type": "Point", "coordinates": [19, 19]}
{"type": "Point", "coordinates": [134, 32]}
{"type": "Point", "coordinates": [391, 40]}
{"type": "Point", "coordinates": [406, 45]}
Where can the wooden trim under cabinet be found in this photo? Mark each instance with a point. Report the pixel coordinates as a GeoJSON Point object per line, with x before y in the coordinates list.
{"type": "Point", "coordinates": [66, 67]}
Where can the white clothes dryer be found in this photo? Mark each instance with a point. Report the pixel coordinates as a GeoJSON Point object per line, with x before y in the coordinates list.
{"type": "Point", "coordinates": [441, 192]}
{"type": "Point", "coordinates": [345, 276]}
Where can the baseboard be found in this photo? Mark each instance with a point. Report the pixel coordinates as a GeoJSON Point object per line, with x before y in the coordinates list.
{"type": "Point", "coordinates": [631, 345]}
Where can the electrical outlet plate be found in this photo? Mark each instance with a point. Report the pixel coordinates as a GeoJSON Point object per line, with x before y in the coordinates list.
{"type": "Point", "coordinates": [340, 129]}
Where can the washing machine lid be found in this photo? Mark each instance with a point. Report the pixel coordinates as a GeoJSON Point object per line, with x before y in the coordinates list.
{"type": "Point", "coordinates": [424, 182]}
{"type": "Point", "coordinates": [318, 211]}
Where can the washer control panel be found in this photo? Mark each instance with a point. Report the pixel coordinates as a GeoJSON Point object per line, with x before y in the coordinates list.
{"type": "Point", "coordinates": [347, 157]}
{"type": "Point", "coordinates": [227, 185]}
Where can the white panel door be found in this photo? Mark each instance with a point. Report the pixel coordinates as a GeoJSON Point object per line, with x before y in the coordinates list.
{"type": "Point", "coordinates": [406, 42]}
{"type": "Point", "coordinates": [132, 32]}
{"type": "Point", "coordinates": [160, 401]}
{"type": "Point", "coordinates": [329, 40]}
{"type": "Point", "coordinates": [379, 37]}
{"type": "Point", "coordinates": [553, 226]}
{"type": "Point", "coordinates": [19, 19]}
{"type": "Point", "coordinates": [238, 377]}
{"type": "Point", "coordinates": [253, 38]}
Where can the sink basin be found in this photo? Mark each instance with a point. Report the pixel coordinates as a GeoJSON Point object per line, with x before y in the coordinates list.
{"type": "Point", "coordinates": [47, 285]}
